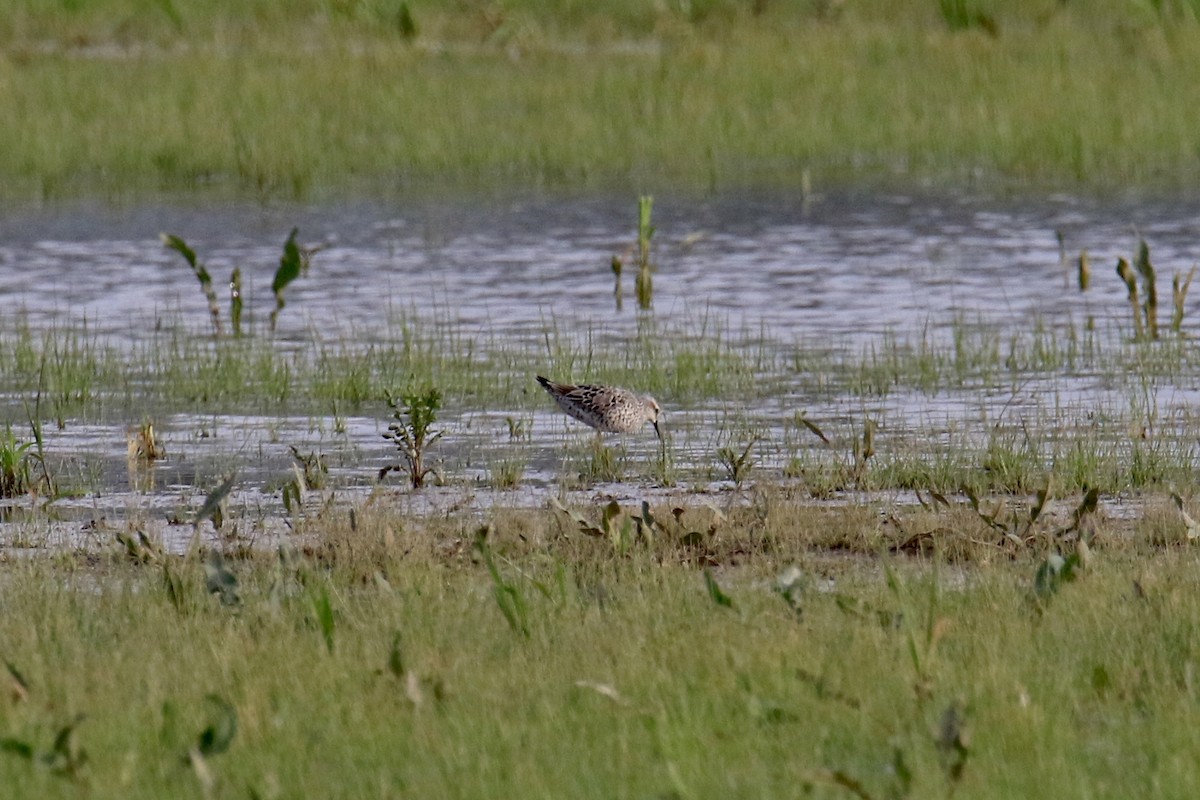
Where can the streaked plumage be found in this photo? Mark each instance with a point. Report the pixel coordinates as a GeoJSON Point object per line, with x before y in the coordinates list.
{"type": "Point", "coordinates": [605, 408]}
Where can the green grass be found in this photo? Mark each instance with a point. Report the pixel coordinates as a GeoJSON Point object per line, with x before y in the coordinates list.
{"type": "Point", "coordinates": [394, 670]}
{"type": "Point", "coordinates": [124, 97]}
{"type": "Point", "coordinates": [727, 381]}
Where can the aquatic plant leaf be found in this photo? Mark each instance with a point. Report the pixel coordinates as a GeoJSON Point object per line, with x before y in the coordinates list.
{"type": "Point", "coordinates": [178, 245]}
{"type": "Point", "coordinates": [235, 300]}
{"type": "Point", "coordinates": [812, 426]}
{"type": "Point", "coordinates": [189, 255]}
{"type": "Point", "coordinates": [290, 265]}
{"type": "Point", "coordinates": [1179, 291]}
{"type": "Point", "coordinates": [714, 591]}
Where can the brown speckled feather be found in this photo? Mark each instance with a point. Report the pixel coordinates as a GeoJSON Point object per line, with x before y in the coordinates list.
{"type": "Point", "coordinates": [605, 408]}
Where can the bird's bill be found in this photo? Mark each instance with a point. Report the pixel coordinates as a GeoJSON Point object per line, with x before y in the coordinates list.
{"type": "Point", "coordinates": [656, 430]}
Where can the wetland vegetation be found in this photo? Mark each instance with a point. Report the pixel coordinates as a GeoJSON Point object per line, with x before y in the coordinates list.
{"type": "Point", "coordinates": [628, 94]}
{"type": "Point", "coordinates": [950, 556]}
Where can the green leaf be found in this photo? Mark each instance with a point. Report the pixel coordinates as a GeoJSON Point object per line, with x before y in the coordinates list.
{"type": "Point", "coordinates": [812, 426]}
{"type": "Point", "coordinates": [324, 612]}
{"type": "Point", "coordinates": [289, 264]}
{"type": "Point", "coordinates": [714, 591]}
{"type": "Point", "coordinates": [179, 246]}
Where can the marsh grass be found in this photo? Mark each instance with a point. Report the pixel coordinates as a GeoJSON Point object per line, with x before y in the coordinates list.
{"type": "Point", "coordinates": [506, 471]}
{"type": "Point", "coordinates": [722, 93]}
{"type": "Point", "coordinates": [411, 644]}
{"type": "Point", "coordinates": [16, 472]}
{"type": "Point", "coordinates": [75, 375]}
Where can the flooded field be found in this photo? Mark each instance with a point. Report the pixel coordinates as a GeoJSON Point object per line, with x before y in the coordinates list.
{"type": "Point", "coordinates": [881, 342]}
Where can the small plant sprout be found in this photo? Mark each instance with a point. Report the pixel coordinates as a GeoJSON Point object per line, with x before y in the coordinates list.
{"type": "Point", "coordinates": [1126, 274]}
{"type": "Point", "coordinates": [737, 465]}
{"type": "Point", "coordinates": [206, 285]}
{"type": "Point", "coordinates": [506, 473]}
{"type": "Point", "coordinates": [412, 433]}
{"type": "Point", "coordinates": [1084, 271]}
{"type": "Point", "coordinates": [1179, 290]}
{"type": "Point", "coordinates": [617, 265]}
{"type": "Point", "coordinates": [1145, 315]}
{"type": "Point", "coordinates": [864, 450]}
{"type": "Point", "coordinates": [14, 464]}
{"type": "Point", "coordinates": [644, 285]}
{"type": "Point", "coordinates": [292, 264]}
{"type": "Point", "coordinates": [235, 301]}
{"type": "Point", "coordinates": [1149, 285]}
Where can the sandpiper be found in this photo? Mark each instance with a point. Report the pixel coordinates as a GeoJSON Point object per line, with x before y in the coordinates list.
{"type": "Point", "coordinates": [605, 408]}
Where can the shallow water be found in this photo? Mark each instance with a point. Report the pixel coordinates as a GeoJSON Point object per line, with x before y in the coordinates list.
{"type": "Point", "coordinates": [833, 270]}
{"type": "Point", "coordinates": [846, 265]}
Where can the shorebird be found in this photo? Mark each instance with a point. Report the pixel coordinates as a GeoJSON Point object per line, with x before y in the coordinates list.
{"type": "Point", "coordinates": [605, 408]}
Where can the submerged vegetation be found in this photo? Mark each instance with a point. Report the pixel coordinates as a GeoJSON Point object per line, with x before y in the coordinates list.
{"type": "Point", "coordinates": [703, 94]}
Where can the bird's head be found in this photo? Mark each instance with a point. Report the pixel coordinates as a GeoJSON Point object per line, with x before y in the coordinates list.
{"type": "Point", "coordinates": [654, 413]}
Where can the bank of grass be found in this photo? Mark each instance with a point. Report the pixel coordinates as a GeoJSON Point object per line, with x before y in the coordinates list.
{"type": "Point", "coordinates": [390, 659]}
{"type": "Point", "coordinates": [128, 96]}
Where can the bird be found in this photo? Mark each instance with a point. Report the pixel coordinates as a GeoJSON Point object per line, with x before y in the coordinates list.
{"type": "Point", "coordinates": [608, 409]}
